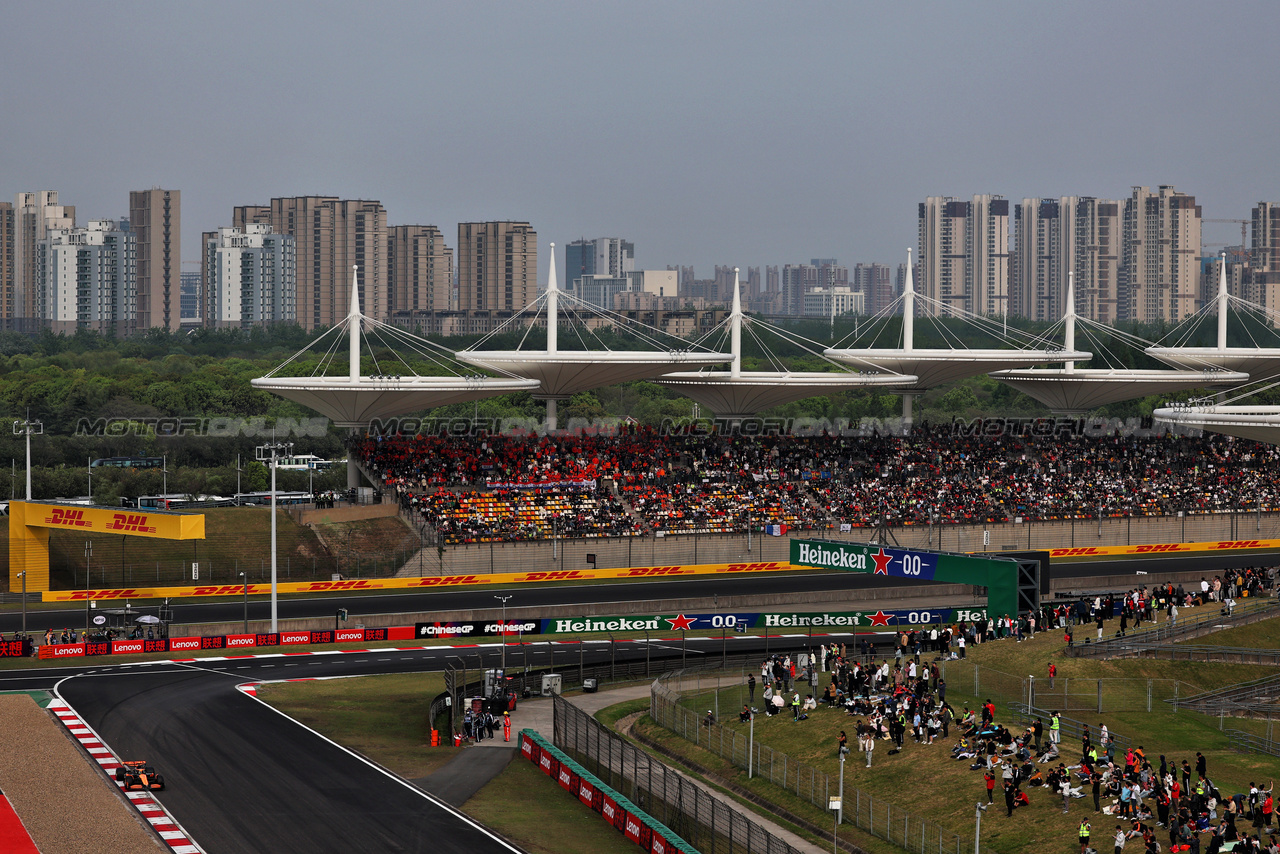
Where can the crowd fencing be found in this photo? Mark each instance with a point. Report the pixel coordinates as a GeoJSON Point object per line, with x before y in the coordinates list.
{"type": "Point", "coordinates": [876, 816]}
{"type": "Point", "coordinates": [706, 822]}
{"type": "Point", "coordinates": [1161, 640]}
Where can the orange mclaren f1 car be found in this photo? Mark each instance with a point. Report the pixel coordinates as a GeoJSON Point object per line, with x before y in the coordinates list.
{"type": "Point", "coordinates": [139, 775]}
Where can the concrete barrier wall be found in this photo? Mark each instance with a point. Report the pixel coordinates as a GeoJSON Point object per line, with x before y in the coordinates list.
{"type": "Point", "coordinates": [907, 595]}
{"type": "Point", "coordinates": [733, 548]}
{"type": "Point", "coordinates": [304, 515]}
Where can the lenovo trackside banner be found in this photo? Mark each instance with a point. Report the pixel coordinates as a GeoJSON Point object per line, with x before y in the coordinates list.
{"type": "Point", "coordinates": [473, 580]}
{"type": "Point", "coordinates": [229, 643]}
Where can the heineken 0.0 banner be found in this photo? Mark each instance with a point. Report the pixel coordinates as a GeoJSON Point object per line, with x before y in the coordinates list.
{"type": "Point", "coordinates": [780, 621]}
{"type": "Point", "coordinates": [998, 574]}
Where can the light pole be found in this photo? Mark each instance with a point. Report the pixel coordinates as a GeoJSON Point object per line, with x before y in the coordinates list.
{"type": "Point", "coordinates": [502, 633]}
{"type": "Point", "coordinates": [840, 809]}
{"type": "Point", "coordinates": [246, 602]}
{"type": "Point", "coordinates": [23, 576]}
{"type": "Point", "coordinates": [164, 480]}
{"type": "Point", "coordinates": [751, 740]}
{"type": "Point", "coordinates": [88, 553]}
{"type": "Point", "coordinates": [89, 469]}
{"type": "Point", "coordinates": [270, 452]}
{"type": "Point", "coordinates": [977, 825]}
{"type": "Point", "coordinates": [26, 428]}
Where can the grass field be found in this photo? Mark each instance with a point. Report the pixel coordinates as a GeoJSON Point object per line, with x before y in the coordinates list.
{"type": "Point", "coordinates": [237, 539]}
{"type": "Point", "coordinates": [384, 718]}
{"type": "Point", "coordinates": [924, 779]}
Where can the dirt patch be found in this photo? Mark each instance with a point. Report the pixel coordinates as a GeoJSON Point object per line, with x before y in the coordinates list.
{"type": "Point", "coordinates": [67, 804]}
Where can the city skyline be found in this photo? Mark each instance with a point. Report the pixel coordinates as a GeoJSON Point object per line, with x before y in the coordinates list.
{"type": "Point", "coordinates": [721, 148]}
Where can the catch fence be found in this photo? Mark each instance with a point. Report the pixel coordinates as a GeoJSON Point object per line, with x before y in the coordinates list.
{"type": "Point", "coordinates": [1099, 696]}
{"type": "Point", "coordinates": [706, 822]}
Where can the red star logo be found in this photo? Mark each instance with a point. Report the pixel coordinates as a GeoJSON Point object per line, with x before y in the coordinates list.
{"type": "Point", "coordinates": [882, 562]}
{"type": "Point", "coordinates": [880, 618]}
{"type": "Point", "coordinates": [681, 623]}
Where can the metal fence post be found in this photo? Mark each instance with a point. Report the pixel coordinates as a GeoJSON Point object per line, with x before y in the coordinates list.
{"type": "Point", "coordinates": [1099, 696]}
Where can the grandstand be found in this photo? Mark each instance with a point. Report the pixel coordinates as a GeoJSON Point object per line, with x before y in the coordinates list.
{"type": "Point", "coordinates": [640, 482]}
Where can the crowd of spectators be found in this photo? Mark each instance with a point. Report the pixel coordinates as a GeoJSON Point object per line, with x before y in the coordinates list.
{"type": "Point", "coordinates": [900, 700]}
{"type": "Point", "coordinates": [689, 482]}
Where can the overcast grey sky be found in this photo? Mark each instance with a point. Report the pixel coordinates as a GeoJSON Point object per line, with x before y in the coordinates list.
{"type": "Point", "coordinates": [737, 133]}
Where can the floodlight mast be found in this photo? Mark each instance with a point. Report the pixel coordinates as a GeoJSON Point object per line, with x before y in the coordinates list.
{"type": "Point", "coordinates": [270, 452]}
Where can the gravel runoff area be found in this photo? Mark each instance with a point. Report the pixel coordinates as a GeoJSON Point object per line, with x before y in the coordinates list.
{"type": "Point", "coordinates": [66, 803]}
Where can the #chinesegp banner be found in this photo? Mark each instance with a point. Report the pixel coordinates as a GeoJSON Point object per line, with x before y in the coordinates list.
{"type": "Point", "coordinates": [477, 629]}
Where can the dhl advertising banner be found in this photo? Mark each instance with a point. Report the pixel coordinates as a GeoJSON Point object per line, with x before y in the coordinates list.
{"type": "Point", "coordinates": [416, 583]}
{"type": "Point", "coordinates": [1148, 550]}
{"type": "Point", "coordinates": [30, 524]}
{"type": "Point", "coordinates": [101, 520]}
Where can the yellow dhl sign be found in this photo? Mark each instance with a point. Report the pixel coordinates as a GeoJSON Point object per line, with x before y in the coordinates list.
{"type": "Point", "coordinates": [1152, 549]}
{"type": "Point", "coordinates": [424, 582]}
{"type": "Point", "coordinates": [100, 520]}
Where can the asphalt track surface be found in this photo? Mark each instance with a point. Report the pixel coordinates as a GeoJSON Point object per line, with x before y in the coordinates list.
{"type": "Point", "coordinates": [241, 777]}
{"type": "Point", "coordinates": [820, 584]}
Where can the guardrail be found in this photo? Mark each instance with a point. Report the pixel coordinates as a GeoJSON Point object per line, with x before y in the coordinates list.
{"type": "Point", "coordinates": [1230, 697]}
{"type": "Point", "coordinates": [1138, 642]}
{"type": "Point", "coordinates": [1247, 741]}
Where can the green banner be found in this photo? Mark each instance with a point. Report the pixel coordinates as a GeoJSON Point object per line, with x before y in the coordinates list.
{"type": "Point", "coordinates": [999, 575]}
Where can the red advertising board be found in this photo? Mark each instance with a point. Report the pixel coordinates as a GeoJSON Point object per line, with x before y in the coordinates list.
{"type": "Point", "coordinates": [12, 649]}
{"type": "Point", "coordinates": [396, 633]}
{"type": "Point", "coordinates": [586, 792]}
{"type": "Point", "coordinates": [241, 641]}
{"type": "Point", "coordinates": [295, 637]}
{"type": "Point", "coordinates": [613, 813]}
{"type": "Point", "coordinates": [128, 647]}
{"type": "Point", "coordinates": [61, 650]}
{"type": "Point", "coordinates": [567, 779]}
{"type": "Point", "coordinates": [181, 644]}
{"type": "Point", "coordinates": [658, 844]}
{"type": "Point", "coordinates": [548, 764]}
{"type": "Point", "coordinates": [527, 746]}
{"type": "Point", "coordinates": [632, 828]}
{"type": "Point", "coordinates": [348, 635]}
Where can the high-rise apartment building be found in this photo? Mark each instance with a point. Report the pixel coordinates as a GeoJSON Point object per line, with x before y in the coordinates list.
{"type": "Point", "coordinates": [964, 255]}
{"type": "Point", "coordinates": [155, 217]}
{"type": "Point", "coordinates": [420, 268]}
{"type": "Point", "coordinates": [249, 277]}
{"type": "Point", "coordinates": [603, 256]}
{"type": "Point", "coordinates": [189, 297]}
{"type": "Point", "coordinates": [497, 265]}
{"type": "Point", "coordinates": [34, 216]}
{"type": "Point", "coordinates": [8, 268]}
{"type": "Point", "coordinates": [331, 236]}
{"type": "Point", "coordinates": [1262, 286]}
{"type": "Point", "coordinates": [1160, 272]}
{"type": "Point", "coordinates": [86, 278]}
{"type": "Point", "coordinates": [876, 283]}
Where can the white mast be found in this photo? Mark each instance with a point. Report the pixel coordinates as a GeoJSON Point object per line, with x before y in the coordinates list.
{"type": "Point", "coordinates": [1222, 304]}
{"type": "Point", "coordinates": [1070, 319]}
{"type": "Point", "coordinates": [353, 320]}
{"type": "Point", "coordinates": [735, 330]}
{"type": "Point", "coordinates": [553, 304]}
{"type": "Point", "coordinates": [908, 309]}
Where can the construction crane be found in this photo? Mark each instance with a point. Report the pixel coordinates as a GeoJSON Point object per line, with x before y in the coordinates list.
{"type": "Point", "coordinates": [1244, 231]}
